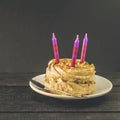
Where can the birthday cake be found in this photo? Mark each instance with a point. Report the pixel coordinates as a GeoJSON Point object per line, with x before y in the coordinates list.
{"type": "Point", "coordinates": [77, 81]}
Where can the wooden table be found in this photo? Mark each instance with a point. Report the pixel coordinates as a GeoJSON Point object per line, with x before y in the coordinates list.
{"type": "Point", "coordinates": [19, 102]}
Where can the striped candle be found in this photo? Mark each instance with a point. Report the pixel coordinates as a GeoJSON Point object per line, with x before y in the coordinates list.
{"type": "Point", "coordinates": [84, 47]}
{"type": "Point", "coordinates": [75, 51]}
{"type": "Point", "coordinates": [55, 48]}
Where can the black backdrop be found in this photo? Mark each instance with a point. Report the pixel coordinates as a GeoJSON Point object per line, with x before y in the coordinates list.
{"type": "Point", "coordinates": [26, 28]}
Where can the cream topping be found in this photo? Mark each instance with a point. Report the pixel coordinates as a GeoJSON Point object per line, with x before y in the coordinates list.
{"type": "Point", "coordinates": [81, 71]}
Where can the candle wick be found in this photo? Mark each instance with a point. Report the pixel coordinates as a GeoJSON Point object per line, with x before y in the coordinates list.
{"type": "Point", "coordinates": [53, 34]}
{"type": "Point", "coordinates": [85, 34]}
{"type": "Point", "coordinates": [77, 36]}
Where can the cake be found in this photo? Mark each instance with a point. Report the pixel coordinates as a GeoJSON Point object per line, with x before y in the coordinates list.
{"type": "Point", "coordinates": [76, 81]}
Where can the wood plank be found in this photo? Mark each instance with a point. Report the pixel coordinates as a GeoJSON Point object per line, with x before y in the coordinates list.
{"type": "Point", "coordinates": [23, 99]}
{"type": "Point", "coordinates": [16, 79]}
{"type": "Point", "coordinates": [59, 116]}
{"type": "Point", "coordinates": [22, 79]}
{"type": "Point", "coordinates": [114, 77]}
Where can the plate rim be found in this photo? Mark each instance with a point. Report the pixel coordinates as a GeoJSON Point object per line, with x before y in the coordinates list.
{"type": "Point", "coordinates": [65, 97]}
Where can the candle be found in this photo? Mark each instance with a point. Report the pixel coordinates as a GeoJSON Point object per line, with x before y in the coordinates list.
{"type": "Point", "coordinates": [75, 51]}
{"type": "Point", "coordinates": [84, 47]}
{"type": "Point", "coordinates": [55, 48]}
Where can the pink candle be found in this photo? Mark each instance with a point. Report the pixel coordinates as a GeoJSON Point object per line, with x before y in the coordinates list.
{"type": "Point", "coordinates": [55, 48]}
{"type": "Point", "coordinates": [75, 51]}
{"type": "Point", "coordinates": [84, 47]}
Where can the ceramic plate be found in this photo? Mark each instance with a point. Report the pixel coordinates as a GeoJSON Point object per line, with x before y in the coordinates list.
{"type": "Point", "coordinates": [102, 87]}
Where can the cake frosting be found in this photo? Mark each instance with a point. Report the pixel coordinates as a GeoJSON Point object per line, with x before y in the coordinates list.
{"type": "Point", "coordinates": [77, 81]}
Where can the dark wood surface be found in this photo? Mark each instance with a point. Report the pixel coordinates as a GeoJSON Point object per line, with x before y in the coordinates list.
{"type": "Point", "coordinates": [18, 101]}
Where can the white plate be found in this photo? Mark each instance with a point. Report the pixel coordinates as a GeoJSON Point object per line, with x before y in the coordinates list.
{"type": "Point", "coordinates": [102, 87]}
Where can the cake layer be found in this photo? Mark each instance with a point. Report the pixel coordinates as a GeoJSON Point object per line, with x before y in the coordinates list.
{"type": "Point", "coordinates": [69, 87]}
{"type": "Point", "coordinates": [78, 80]}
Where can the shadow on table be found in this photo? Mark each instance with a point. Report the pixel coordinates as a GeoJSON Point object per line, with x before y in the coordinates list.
{"type": "Point", "coordinates": [73, 105]}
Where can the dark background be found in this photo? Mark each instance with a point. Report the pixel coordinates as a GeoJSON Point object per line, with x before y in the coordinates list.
{"type": "Point", "coordinates": [26, 28]}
